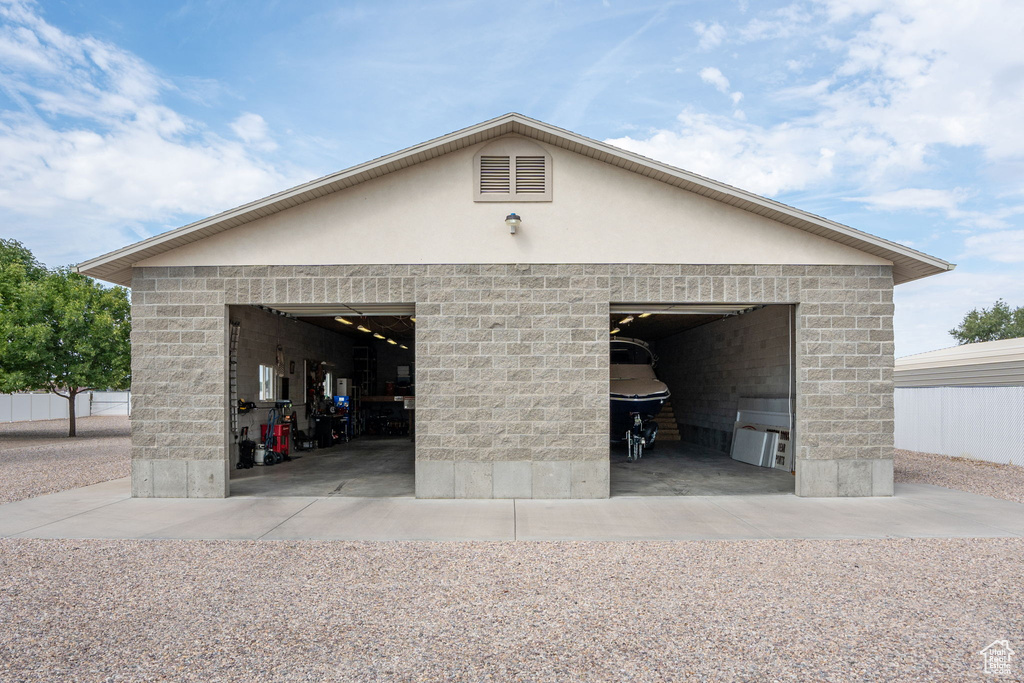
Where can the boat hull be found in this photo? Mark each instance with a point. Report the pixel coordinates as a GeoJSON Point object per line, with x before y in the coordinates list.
{"type": "Point", "coordinates": [622, 407]}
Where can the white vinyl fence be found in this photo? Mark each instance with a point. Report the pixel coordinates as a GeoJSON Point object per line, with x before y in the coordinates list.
{"type": "Point", "coordinates": [23, 407]}
{"type": "Point", "coordinates": [983, 423]}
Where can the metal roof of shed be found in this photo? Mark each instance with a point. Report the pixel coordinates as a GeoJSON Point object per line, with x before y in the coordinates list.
{"type": "Point", "coordinates": [908, 264]}
{"type": "Point", "coordinates": [987, 364]}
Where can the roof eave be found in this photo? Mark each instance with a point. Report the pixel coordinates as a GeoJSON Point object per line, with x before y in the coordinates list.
{"type": "Point", "coordinates": [909, 264]}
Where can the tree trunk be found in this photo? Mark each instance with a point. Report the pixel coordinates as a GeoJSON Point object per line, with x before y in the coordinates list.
{"type": "Point", "coordinates": [71, 412]}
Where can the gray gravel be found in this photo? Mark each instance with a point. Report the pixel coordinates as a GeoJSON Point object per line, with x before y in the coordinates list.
{"type": "Point", "coordinates": [885, 610]}
{"type": "Point", "coordinates": [37, 457]}
{"type": "Point", "coordinates": [973, 476]}
{"type": "Point", "coordinates": [880, 610]}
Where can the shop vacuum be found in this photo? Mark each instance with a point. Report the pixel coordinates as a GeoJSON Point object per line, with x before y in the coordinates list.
{"type": "Point", "coordinates": [246, 451]}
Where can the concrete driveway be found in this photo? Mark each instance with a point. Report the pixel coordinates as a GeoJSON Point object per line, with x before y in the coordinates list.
{"type": "Point", "coordinates": [106, 511]}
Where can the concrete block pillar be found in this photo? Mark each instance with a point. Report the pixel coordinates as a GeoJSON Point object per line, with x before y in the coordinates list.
{"type": "Point", "coordinates": [178, 384]}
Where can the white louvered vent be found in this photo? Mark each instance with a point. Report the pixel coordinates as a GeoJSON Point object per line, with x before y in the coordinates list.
{"type": "Point", "coordinates": [530, 175]}
{"type": "Point", "coordinates": [512, 169]}
{"type": "Point", "coordinates": [495, 175]}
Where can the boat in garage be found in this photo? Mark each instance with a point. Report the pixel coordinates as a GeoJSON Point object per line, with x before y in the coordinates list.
{"type": "Point", "coordinates": [636, 393]}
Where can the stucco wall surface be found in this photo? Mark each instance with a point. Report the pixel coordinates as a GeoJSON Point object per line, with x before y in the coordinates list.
{"type": "Point", "coordinates": [598, 214]}
{"type": "Point", "coordinates": [512, 364]}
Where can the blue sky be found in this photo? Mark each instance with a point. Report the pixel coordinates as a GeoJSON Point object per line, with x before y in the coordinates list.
{"type": "Point", "coordinates": [122, 119]}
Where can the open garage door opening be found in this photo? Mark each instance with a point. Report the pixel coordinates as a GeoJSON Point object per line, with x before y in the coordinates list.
{"type": "Point", "coordinates": [702, 399]}
{"type": "Point", "coordinates": [321, 400]}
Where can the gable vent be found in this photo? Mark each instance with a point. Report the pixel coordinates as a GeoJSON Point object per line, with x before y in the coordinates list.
{"type": "Point", "coordinates": [495, 175]}
{"type": "Point", "coordinates": [530, 174]}
{"type": "Point", "coordinates": [512, 169]}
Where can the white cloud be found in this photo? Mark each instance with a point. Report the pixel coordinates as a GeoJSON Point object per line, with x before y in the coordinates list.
{"type": "Point", "coordinates": [916, 199]}
{"type": "Point", "coordinates": [711, 35]}
{"type": "Point", "coordinates": [1005, 246]}
{"type": "Point", "coordinates": [252, 129]}
{"type": "Point", "coordinates": [908, 79]}
{"type": "Point", "coordinates": [93, 151]}
{"type": "Point", "coordinates": [765, 161]}
{"type": "Point", "coordinates": [780, 23]}
{"type": "Point", "coordinates": [713, 76]}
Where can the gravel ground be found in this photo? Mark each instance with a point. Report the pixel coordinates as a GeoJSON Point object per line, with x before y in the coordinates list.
{"type": "Point", "coordinates": [879, 610]}
{"type": "Point", "coordinates": [38, 457]}
{"type": "Point", "coordinates": [973, 476]}
{"type": "Point", "coordinates": [886, 610]}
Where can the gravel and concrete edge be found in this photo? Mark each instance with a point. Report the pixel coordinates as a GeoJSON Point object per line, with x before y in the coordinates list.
{"type": "Point", "coordinates": [973, 476]}
{"type": "Point", "coordinates": [38, 457]}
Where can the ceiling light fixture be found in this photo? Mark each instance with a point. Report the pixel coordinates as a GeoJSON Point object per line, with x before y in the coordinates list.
{"type": "Point", "coordinates": [627, 320]}
{"type": "Point", "coordinates": [342, 320]}
{"type": "Point", "coordinates": [412, 319]}
{"type": "Point", "coordinates": [616, 331]}
{"type": "Point", "coordinates": [513, 221]}
{"type": "Point", "coordinates": [403, 346]}
{"type": "Point", "coordinates": [392, 341]}
{"type": "Point", "coordinates": [644, 315]}
{"type": "Point", "coordinates": [362, 329]}
{"type": "Point", "coordinates": [378, 335]}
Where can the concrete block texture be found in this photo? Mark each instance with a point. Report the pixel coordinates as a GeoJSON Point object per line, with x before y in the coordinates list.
{"type": "Point", "coordinates": [170, 478]}
{"type": "Point", "coordinates": [208, 478]}
{"type": "Point", "coordinates": [590, 479]}
{"type": "Point", "coordinates": [473, 479]}
{"type": "Point", "coordinates": [853, 477]}
{"type": "Point", "coordinates": [552, 479]}
{"type": "Point", "coordinates": [511, 359]}
{"type": "Point", "coordinates": [142, 478]}
{"type": "Point", "coordinates": [847, 478]}
{"type": "Point", "coordinates": [882, 477]}
{"type": "Point", "coordinates": [817, 478]}
{"type": "Point", "coordinates": [435, 479]}
{"type": "Point", "coordinates": [513, 479]}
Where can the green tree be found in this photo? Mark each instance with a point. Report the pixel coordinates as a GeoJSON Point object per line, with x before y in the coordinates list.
{"type": "Point", "coordinates": [990, 324]}
{"type": "Point", "coordinates": [17, 264]}
{"type": "Point", "coordinates": [60, 331]}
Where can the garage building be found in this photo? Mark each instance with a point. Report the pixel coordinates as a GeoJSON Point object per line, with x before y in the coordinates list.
{"type": "Point", "coordinates": [501, 257]}
{"type": "Point", "coordinates": [964, 401]}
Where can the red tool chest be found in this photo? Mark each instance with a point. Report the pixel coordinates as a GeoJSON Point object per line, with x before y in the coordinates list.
{"type": "Point", "coordinates": [282, 437]}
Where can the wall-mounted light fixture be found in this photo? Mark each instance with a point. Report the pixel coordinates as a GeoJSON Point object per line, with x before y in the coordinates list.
{"type": "Point", "coordinates": [342, 320]}
{"type": "Point", "coordinates": [392, 341]}
{"type": "Point", "coordinates": [362, 329]}
{"type": "Point", "coordinates": [378, 335]}
{"type": "Point", "coordinates": [615, 331]}
{"type": "Point", "coordinates": [644, 315]}
{"type": "Point", "coordinates": [627, 320]}
{"type": "Point", "coordinates": [513, 221]}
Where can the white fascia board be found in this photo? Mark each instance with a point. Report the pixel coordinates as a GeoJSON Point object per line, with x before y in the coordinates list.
{"type": "Point", "coordinates": [517, 123]}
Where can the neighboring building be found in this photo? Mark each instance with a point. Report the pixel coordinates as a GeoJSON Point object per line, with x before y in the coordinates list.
{"type": "Point", "coordinates": [509, 353]}
{"type": "Point", "coordinates": [965, 401]}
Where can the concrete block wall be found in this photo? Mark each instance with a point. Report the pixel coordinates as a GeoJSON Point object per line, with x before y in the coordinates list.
{"type": "Point", "coordinates": [709, 368]}
{"type": "Point", "coordinates": [260, 334]}
{"type": "Point", "coordinates": [512, 365]}
{"type": "Point", "coordinates": [512, 369]}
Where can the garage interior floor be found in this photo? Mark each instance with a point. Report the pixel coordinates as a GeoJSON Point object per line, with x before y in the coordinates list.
{"type": "Point", "coordinates": [370, 466]}
{"type": "Point", "coordinates": [676, 468]}
{"type": "Point", "coordinates": [379, 467]}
